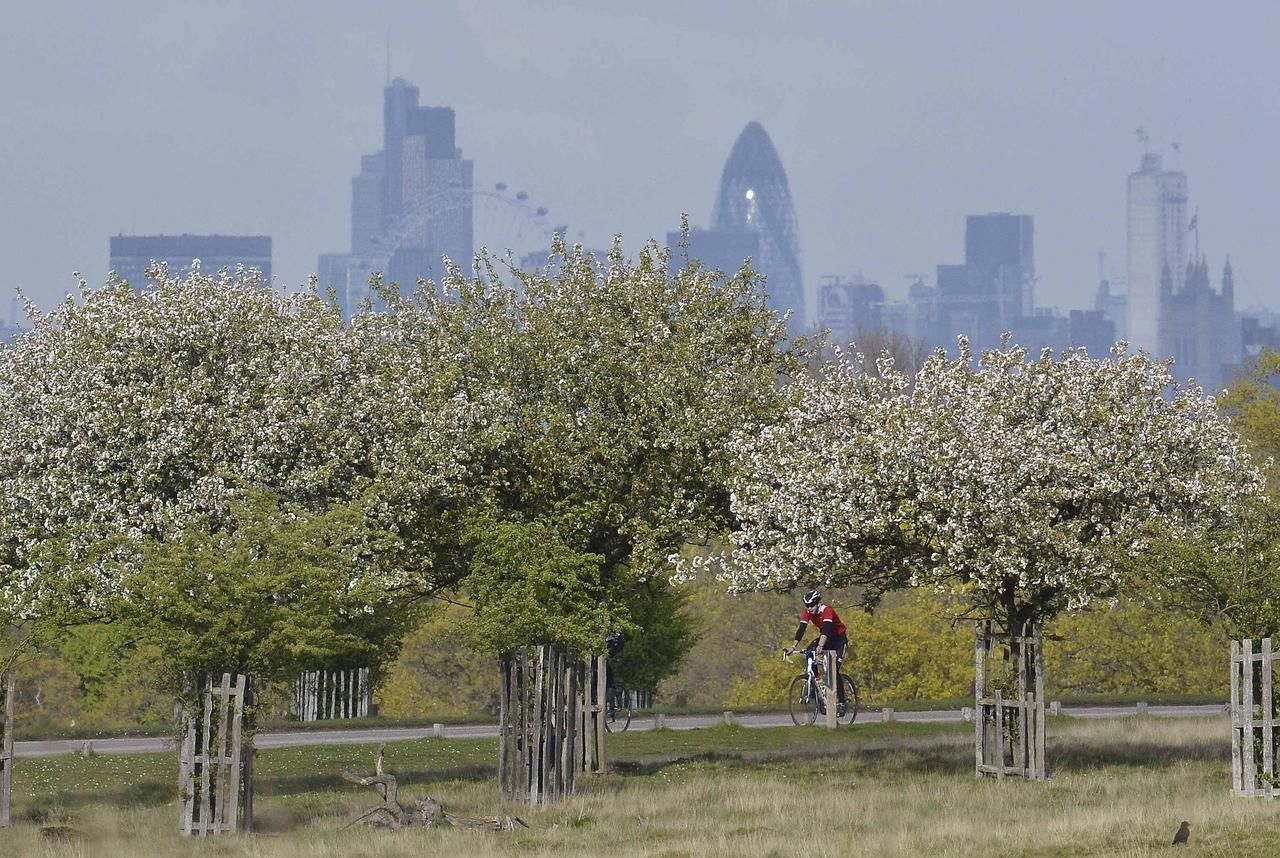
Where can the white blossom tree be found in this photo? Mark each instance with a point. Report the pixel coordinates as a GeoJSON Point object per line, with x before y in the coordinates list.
{"type": "Point", "coordinates": [1019, 484]}
{"type": "Point", "coordinates": [133, 417]}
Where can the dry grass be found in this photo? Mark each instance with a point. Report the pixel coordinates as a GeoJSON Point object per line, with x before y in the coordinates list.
{"type": "Point", "coordinates": [1119, 787]}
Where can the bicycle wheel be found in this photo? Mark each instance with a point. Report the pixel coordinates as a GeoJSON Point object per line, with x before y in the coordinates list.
{"type": "Point", "coordinates": [801, 702]}
{"type": "Point", "coordinates": [617, 717]}
{"type": "Point", "coordinates": [848, 711]}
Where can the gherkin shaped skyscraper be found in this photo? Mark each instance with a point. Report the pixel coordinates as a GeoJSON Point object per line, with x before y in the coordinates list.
{"type": "Point", "coordinates": [754, 197]}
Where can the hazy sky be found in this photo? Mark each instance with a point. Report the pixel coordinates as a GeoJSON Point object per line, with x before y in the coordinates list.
{"type": "Point", "coordinates": [893, 120]}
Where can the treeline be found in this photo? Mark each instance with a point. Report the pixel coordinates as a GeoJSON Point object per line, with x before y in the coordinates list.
{"type": "Point", "coordinates": [907, 650]}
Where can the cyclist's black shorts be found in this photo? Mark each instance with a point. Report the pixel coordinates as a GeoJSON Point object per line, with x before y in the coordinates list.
{"type": "Point", "coordinates": [837, 644]}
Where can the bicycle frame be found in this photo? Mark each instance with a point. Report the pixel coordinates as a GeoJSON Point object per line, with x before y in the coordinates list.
{"type": "Point", "coordinates": [813, 670]}
{"type": "Point", "coordinates": [809, 690]}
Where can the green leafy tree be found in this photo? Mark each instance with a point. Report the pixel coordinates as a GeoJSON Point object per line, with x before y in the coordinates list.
{"type": "Point", "coordinates": [603, 394]}
{"type": "Point", "coordinates": [1252, 402]}
{"type": "Point", "coordinates": [1133, 647]}
{"type": "Point", "coordinates": [529, 587]}
{"type": "Point", "coordinates": [276, 589]}
{"type": "Point", "coordinates": [1230, 577]}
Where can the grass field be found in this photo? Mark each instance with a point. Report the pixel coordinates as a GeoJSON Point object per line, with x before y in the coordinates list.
{"type": "Point", "coordinates": [1118, 787]}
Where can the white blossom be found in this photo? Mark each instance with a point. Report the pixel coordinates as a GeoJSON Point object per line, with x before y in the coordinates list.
{"type": "Point", "coordinates": [1012, 481]}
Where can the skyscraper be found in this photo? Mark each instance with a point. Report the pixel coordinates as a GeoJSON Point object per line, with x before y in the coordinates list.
{"type": "Point", "coordinates": [754, 197]}
{"type": "Point", "coordinates": [1157, 221]}
{"type": "Point", "coordinates": [716, 249]}
{"type": "Point", "coordinates": [992, 292]}
{"type": "Point", "coordinates": [131, 255]}
{"type": "Point", "coordinates": [411, 203]}
{"type": "Point", "coordinates": [999, 250]}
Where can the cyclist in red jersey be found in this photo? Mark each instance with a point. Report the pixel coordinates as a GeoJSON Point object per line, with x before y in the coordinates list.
{"type": "Point", "coordinates": [832, 634]}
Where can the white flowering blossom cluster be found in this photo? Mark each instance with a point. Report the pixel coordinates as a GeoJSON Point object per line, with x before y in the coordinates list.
{"type": "Point", "coordinates": [133, 415]}
{"type": "Point", "coordinates": [1015, 482]}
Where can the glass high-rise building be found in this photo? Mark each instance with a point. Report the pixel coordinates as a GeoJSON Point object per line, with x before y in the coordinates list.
{"type": "Point", "coordinates": [132, 255]}
{"type": "Point", "coordinates": [999, 249]}
{"type": "Point", "coordinates": [411, 203]}
{"type": "Point", "coordinates": [754, 197]}
{"type": "Point", "coordinates": [1157, 235]}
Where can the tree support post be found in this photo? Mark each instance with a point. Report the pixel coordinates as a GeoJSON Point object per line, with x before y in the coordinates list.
{"type": "Point", "coordinates": [1255, 723]}
{"type": "Point", "coordinates": [831, 687]}
{"type": "Point", "coordinates": [7, 695]}
{"type": "Point", "coordinates": [215, 763]}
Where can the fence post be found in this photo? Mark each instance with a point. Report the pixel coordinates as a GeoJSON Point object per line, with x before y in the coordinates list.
{"type": "Point", "coordinates": [1268, 736]}
{"type": "Point", "coordinates": [1237, 735]}
{"type": "Point", "coordinates": [602, 677]}
{"type": "Point", "coordinates": [829, 669]}
{"type": "Point", "coordinates": [1041, 760]}
{"type": "Point", "coordinates": [1250, 770]}
{"type": "Point", "coordinates": [8, 688]}
{"type": "Point", "coordinates": [979, 690]}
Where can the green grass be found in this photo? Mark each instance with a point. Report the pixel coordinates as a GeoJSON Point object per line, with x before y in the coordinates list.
{"type": "Point", "coordinates": [1118, 787]}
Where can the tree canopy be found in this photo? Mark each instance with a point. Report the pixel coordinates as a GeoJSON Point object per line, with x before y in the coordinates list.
{"type": "Point", "coordinates": [542, 443]}
{"type": "Point", "coordinates": [1018, 483]}
{"type": "Point", "coordinates": [604, 393]}
{"type": "Point", "coordinates": [139, 424]}
{"type": "Point", "coordinates": [1232, 576]}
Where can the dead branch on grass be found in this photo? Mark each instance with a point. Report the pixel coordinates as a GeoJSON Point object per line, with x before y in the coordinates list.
{"type": "Point", "coordinates": [424, 813]}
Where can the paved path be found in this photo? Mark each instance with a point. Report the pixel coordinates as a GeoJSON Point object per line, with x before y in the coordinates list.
{"type": "Point", "coordinates": [371, 735]}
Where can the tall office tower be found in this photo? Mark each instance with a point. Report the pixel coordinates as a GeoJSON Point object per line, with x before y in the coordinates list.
{"type": "Point", "coordinates": [992, 292]}
{"type": "Point", "coordinates": [368, 217]}
{"type": "Point", "coordinates": [716, 249]}
{"type": "Point", "coordinates": [131, 255]}
{"type": "Point", "coordinates": [754, 197]}
{"type": "Point", "coordinates": [1157, 247]}
{"type": "Point", "coordinates": [999, 249]}
{"type": "Point", "coordinates": [411, 203]}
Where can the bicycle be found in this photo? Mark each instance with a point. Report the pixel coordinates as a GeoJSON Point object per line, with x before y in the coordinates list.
{"type": "Point", "coordinates": [617, 714]}
{"type": "Point", "coordinates": [807, 697]}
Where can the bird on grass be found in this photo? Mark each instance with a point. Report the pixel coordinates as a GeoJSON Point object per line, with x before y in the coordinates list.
{"type": "Point", "coordinates": [1183, 835]}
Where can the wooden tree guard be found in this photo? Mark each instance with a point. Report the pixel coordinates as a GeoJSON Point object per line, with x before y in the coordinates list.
{"type": "Point", "coordinates": [591, 704]}
{"type": "Point", "coordinates": [215, 767]}
{"type": "Point", "coordinates": [1009, 690]}
{"type": "Point", "coordinates": [7, 695]}
{"type": "Point", "coordinates": [540, 723]}
{"type": "Point", "coordinates": [1255, 724]}
{"type": "Point", "coordinates": [323, 694]}
{"type": "Point", "coordinates": [830, 688]}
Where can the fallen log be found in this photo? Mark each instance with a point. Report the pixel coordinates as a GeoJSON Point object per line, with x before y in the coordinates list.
{"type": "Point", "coordinates": [424, 813]}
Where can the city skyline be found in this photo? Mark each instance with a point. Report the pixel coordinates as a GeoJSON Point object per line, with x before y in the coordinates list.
{"type": "Point", "coordinates": [892, 126]}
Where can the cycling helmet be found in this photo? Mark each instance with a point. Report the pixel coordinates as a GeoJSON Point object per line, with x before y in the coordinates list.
{"type": "Point", "coordinates": [812, 599]}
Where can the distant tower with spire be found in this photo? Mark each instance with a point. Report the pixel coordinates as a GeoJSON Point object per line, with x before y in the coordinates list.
{"type": "Point", "coordinates": [1199, 327]}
